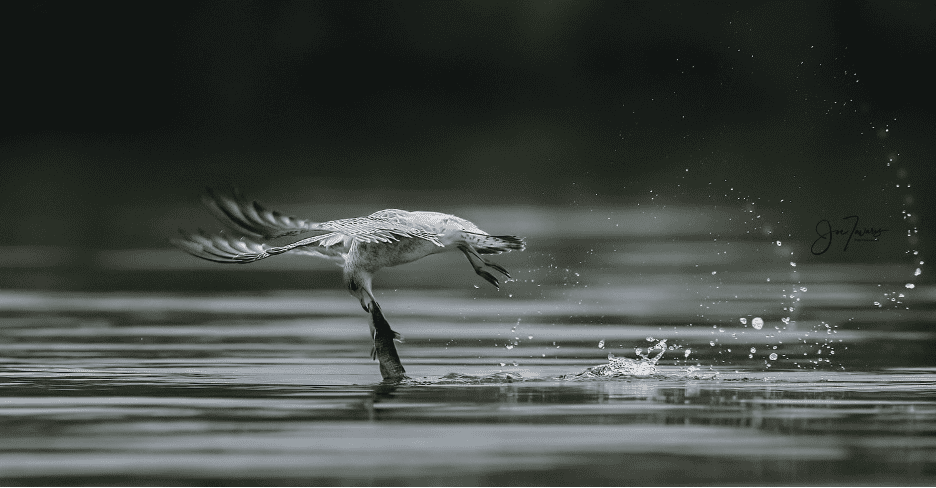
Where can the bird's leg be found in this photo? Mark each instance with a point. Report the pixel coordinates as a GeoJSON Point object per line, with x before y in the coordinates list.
{"type": "Point", "coordinates": [477, 262]}
{"type": "Point", "coordinates": [384, 350]}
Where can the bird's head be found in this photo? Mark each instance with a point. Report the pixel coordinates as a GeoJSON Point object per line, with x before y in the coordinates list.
{"type": "Point", "coordinates": [360, 287]}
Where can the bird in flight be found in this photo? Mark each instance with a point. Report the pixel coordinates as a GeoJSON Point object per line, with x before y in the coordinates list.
{"type": "Point", "coordinates": [360, 245]}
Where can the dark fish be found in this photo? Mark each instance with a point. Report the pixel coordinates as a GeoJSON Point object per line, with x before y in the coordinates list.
{"type": "Point", "coordinates": [384, 351]}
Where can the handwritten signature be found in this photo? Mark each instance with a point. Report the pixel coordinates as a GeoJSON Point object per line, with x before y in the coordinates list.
{"type": "Point", "coordinates": [825, 231]}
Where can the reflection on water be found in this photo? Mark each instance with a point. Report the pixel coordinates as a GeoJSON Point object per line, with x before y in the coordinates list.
{"type": "Point", "coordinates": [116, 425]}
{"type": "Point", "coordinates": [662, 378]}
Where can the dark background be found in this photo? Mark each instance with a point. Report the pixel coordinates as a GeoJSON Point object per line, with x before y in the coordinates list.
{"type": "Point", "coordinates": [118, 114]}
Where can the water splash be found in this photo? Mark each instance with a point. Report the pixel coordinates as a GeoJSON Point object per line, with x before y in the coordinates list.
{"type": "Point", "coordinates": [624, 367]}
{"type": "Point", "coordinates": [643, 367]}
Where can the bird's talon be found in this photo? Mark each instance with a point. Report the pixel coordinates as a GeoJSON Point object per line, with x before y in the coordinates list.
{"type": "Point", "coordinates": [490, 278]}
{"type": "Point", "coordinates": [499, 268]}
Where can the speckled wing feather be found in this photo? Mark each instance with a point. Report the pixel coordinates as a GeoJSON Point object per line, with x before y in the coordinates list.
{"type": "Point", "coordinates": [377, 229]}
{"type": "Point", "coordinates": [446, 224]}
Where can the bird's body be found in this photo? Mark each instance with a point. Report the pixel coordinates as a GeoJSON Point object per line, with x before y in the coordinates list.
{"type": "Point", "coordinates": [361, 245]}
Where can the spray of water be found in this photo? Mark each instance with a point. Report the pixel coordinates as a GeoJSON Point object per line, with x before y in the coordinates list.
{"type": "Point", "coordinates": [625, 367]}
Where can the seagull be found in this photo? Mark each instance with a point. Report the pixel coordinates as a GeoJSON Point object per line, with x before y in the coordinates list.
{"type": "Point", "coordinates": [360, 245]}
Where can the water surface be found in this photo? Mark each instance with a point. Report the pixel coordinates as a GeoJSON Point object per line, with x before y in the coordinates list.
{"type": "Point", "coordinates": [277, 388]}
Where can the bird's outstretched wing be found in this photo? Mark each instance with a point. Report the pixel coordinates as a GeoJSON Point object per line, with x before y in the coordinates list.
{"type": "Point", "coordinates": [253, 220]}
{"type": "Point", "coordinates": [242, 250]}
{"type": "Point", "coordinates": [254, 224]}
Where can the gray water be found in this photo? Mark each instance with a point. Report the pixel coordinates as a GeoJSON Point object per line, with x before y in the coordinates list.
{"type": "Point", "coordinates": [513, 387]}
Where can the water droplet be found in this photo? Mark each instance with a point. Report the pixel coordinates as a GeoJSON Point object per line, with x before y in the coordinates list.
{"type": "Point", "coordinates": [713, 272]}
{"type": "Point", "coordinates": [509, 346]}
{"type": "Point", "coordinates": [773, 356]}
{"type": "Point", "coordinates": [649, 338]}
{"type": "Point", "coordinates": [778, 243]}
{"type": "Point", "coordinates": [687, 353]}
{"type": "Point", "coordinates": [792, 264]}
{"type": "Point", "coordinates": [743, 320]}
{"type": "Point", "coordinates": [530, 337]}
{"type": "Point", "coordinates": [711, 343]}
{"type": "Point", "coordinates": [757, 323]}
{"type": "Point", "coordinates": [601, 344]}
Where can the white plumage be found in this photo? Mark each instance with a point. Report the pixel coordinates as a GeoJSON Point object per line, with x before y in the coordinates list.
{"type": "Point", "coordinates": [361, 245]}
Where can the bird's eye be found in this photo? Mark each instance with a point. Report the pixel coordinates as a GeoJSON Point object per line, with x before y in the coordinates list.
{"type": "Point", "coordinates": [353, 286]}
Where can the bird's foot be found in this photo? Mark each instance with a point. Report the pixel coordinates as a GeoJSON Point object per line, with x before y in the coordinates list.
{"type": "Point", "coordinates": [489, 277]}
{"type": "Point", "coordinates": [498, 267]}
